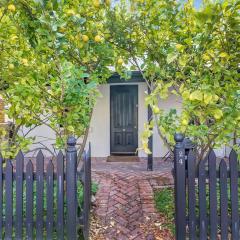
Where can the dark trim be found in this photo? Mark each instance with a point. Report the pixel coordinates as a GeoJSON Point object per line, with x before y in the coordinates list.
{"type": "Point", "coordinates": [150, 141]}
{"type": "Point", "coordinates": [136, 77]}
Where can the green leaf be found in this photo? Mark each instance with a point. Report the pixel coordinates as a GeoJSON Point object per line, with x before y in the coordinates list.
{"type": "Point", "coordinates": [171, 57]}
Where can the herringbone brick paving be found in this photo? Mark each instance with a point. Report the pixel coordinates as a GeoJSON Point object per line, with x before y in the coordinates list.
{"type": "Point", "coordinates": [125, 201]}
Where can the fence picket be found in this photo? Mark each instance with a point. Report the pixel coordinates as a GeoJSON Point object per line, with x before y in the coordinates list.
{"type": "Point", "coordinates": [90, 170]}
{"type": "Point", "coordinates": [19, 195]}
{"type": "Point", "coordinates": [223, 200]}
{"type": "Point", "coordinates": [87, 193]}
{"type": "Point", "coordinates": [14, 221]}
{"type": "Point", "coordinates": [60, 196]}
{"type": "Point", "coordinates": [71, 187]}
{"type": "Point", "coordinates": [213, 194]}
{"type": "Point", "coordinates": [234, 195]}
{"type": "Point", "coordinates": [29, 200]}
{"type": "Point", "coordinates": [180, 187]}
{"type": "Point", "coordinates": [210, 219]}
{"type": "Point", "coordinates": [39, 195]}
{"type": "Point", "coordinates": [191, 194]}
{"type": "Point", "coordinates": [50, 191]}
{"type": "Point", "coordinates": [9, 200]}
{"type": "Point", "coordinates": [202, 200]}
{"type": "Point", "coordinates": [1, 194]}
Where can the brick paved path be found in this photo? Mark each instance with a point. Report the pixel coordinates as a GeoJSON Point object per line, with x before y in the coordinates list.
{"type": "Point", "coordinates": [125, 201]}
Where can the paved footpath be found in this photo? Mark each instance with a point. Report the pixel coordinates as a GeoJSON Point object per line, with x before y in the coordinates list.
{"type": "Point", "coordinates": [125, 201]}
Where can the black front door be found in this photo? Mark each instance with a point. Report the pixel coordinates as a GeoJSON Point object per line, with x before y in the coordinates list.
{"type": "Point", "coordinates": [124, 119]}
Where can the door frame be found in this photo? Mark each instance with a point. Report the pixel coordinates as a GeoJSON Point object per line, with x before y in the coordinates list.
{"type": "Point", "coordinates": [137, 120]}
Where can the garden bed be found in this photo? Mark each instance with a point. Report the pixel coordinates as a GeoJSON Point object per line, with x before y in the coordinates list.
{"type": "Point", "coordinates": [164, 201]}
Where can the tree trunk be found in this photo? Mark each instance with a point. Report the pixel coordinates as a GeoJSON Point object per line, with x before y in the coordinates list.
{"type": "Point", "coordinates": [84, 140]}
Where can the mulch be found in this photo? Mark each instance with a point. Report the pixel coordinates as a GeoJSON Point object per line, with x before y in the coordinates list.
{"type": "Point", "coordinates": [154, 230]}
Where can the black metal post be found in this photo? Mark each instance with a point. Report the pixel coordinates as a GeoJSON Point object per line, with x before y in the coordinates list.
{"type": "Point", "coordinates": [180, 187]}
{"type": "Point", "coordinates": [150, 141]}
{"type": "Point", "coordinates": [71, 173]}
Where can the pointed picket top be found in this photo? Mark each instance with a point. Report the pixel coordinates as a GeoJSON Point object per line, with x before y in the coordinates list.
{"type": "Point", "coordinates": [233, 156]}
{"type": "Point", "coordinates": [20, 156]}
{"type": "Point", "coordinates": [19, 163]}
{"type": "Point", "coordinates": [40, 155]}
{"type": "Point", "coordinates": [50, 166]}
{"type": "Point", "coordinates": [60, 162]}
{"type": "Point", "coordinates": [233, 161]}
{"type": "Point", "coordinates": [40, 162]}
{"type": "Point", "coordinates": [211, 155]}
{"type": "Point", "coordinates": [223, 162]}
{"type": "Point", "coordinates": [29, 166]}
{"type": "Point", "coordinates": [9, 164]}
{"type": "Point", "coordinates": [223, 165]}
{"type": "Point", "coordinates": [60, 154]}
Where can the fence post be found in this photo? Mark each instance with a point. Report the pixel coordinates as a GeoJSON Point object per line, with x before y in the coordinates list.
{"type": "Point", "coordinates": [71, 188]}
{"type": "Point", "coordinates": [180, 187]}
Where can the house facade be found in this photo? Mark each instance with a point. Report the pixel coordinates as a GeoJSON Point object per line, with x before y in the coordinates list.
{"type": "Point", "coordinates": [118, 120]}
{"type": "Point", "coordinates": [119, 116]}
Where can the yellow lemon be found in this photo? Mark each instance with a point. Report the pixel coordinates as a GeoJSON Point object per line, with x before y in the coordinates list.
{"type": "Point", "coordinates": [120, 61]}
{"type": "Point", "coordinates": [108, 2]}
{"type": "Point", "coordinates": [11, 66]}
{"type": "Point", "coordinates": [215, 98]}
{"type": "Point", "coordinates": [97, 38]}
{"type": "Point", "coordinates": [62, 29]}
{"type": "Point", "coordinates": [85, 38]}
{"type": "Point", "coordinates": [96, 3]}
{"type": "Point", "coordinates": [11, 8]}
{"type": "Point", "coordinates": [179, 47]}
{"type": "Point", "coordinates": [218, 114]}
{"type": "Point", "coordinates": [24, 61]}
{"type": "Point", "coordinates": [70, 12]}
{"type": "Point", "coordinates": [184, 122]}
{"type": "Point", "coordinates": [156, 109]}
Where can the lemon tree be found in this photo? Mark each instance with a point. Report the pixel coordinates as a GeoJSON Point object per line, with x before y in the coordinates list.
{"type": "Point", "coordinates": [53, 56]}
{"type": "Point", "coordinates": [188, 52]}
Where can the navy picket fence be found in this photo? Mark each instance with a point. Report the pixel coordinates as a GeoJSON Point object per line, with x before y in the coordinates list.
{"type": "Point", "coordinates": [206, 195]}
{"type": "Point", "coordinates": [40, 201]}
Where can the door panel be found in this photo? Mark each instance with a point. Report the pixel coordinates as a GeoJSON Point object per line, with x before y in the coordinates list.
{"type": "Point", "coordinates": [124, 119]}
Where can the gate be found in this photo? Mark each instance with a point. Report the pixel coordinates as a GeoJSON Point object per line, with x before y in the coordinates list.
{"type": "Point", "coordinates": [206, 195]}
{"type": "Point", "coordinates": [41, 201]}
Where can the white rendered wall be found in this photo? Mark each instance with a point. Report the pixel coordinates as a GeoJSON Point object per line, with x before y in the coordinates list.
{"type": "Point", "coordinates": [172, 102]}
{"type": "Point", "coordinates": [99, 134]}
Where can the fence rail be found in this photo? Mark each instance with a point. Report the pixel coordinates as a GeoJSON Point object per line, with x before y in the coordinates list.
{"type": "Point", "coordinates": [41, 201]}
{"type": "Point", "coordinates": [206, 195]}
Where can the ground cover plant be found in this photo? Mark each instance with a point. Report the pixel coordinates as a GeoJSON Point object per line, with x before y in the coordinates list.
{"type": "Point", "coordinates": [165, 204]}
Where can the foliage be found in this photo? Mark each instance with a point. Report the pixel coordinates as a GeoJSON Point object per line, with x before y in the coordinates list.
{"type": "Point", "coordinates": [190, 53]}
{"type": "Point", "coordinates": [53, 56]}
